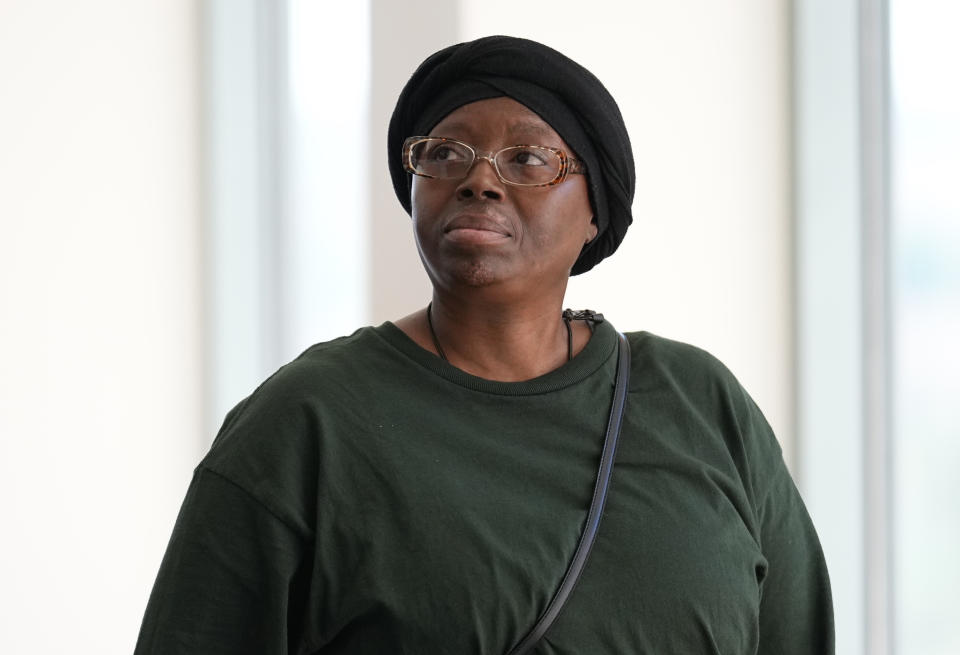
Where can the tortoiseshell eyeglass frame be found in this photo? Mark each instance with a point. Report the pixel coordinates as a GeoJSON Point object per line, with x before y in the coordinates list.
{"type": "Point", "coordinates": [568, 165]}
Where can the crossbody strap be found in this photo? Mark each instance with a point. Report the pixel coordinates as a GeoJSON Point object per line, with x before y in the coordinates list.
{"type": "Point", "coordinates": [596, 506]}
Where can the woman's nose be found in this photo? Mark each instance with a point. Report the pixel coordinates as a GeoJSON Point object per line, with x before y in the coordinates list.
{"type": "Point", "coordinates": [481, 181]}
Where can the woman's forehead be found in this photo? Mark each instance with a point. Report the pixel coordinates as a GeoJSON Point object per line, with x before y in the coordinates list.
{"type": "Point", "coordinates": [494, 117]}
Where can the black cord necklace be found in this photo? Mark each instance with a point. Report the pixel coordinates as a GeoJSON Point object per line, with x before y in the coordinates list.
{"type": "Point", "coordinates": [433, 333]}
{"type": "Point", "coordinates": [568, 315]}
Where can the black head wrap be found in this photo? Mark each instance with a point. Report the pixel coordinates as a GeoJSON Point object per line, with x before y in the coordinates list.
{"type": "Point", "coordinates": [562, 92]}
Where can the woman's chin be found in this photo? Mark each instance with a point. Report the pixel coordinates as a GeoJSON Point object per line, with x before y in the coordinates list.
{"type": "Point", "coordinates": [468, 272]}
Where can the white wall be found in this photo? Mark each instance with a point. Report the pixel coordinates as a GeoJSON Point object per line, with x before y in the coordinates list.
{"type": "Point", "coordinates": [99, 312]}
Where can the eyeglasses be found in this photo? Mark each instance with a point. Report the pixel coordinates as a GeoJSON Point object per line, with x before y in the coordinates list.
{"type": "Point", "coordinates": [521, 165]}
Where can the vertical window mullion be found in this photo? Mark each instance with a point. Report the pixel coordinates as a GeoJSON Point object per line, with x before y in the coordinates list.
{"type": "Point", "coordinates": [875, 262]}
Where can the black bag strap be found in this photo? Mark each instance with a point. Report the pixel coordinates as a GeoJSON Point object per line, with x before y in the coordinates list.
{"type": "Point", "coordinates": [596, 506]}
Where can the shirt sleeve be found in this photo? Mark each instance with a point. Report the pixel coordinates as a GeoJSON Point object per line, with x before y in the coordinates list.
{"type": "Point", "coordinates": [227, 583]}
{"type": "Point", "coordinates": [796, 609]}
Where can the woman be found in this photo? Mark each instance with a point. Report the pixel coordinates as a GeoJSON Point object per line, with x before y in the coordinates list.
{"type": "Point", "coordinates": [424, 486]}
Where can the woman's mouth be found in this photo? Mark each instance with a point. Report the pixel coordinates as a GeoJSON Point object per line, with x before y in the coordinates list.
{"type": "Point", "coordinates": [476, 229]}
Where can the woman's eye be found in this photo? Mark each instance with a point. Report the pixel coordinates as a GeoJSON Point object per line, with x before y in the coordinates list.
{"type": "Point", "coordinates": [445, 153]}
{"type": "Point", "coordinates": [529, 158]}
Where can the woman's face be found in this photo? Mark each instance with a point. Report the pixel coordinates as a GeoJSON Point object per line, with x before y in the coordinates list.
{"type": "Point", "coordinates": [479, 231]}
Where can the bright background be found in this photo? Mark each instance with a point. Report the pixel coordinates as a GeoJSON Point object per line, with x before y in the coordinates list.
{"type": "Point", "coordinates": [192, 192]}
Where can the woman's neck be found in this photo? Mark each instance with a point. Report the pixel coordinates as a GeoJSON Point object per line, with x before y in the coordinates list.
{"type": "Point", "coordinates": [496, 341]}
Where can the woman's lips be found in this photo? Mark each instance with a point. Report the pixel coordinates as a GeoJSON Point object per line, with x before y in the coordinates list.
{"type": "Point", "coordinates": [466, 229]}
{"type": "Point", "coordinates": [475, 235]}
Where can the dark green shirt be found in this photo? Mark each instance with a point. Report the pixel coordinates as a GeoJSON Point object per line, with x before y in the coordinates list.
{"type": "Point", "coordinates": [371, 498]}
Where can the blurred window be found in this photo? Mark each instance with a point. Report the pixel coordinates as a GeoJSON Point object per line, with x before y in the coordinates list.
{"type": "Point", "coordinates": [925, 308]}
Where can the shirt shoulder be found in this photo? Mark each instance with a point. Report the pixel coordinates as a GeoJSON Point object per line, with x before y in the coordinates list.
{"type": "Point", "coordinates": [685, 365]}
{"type": "Point", "coordinates": [691, 387]}
{"type": "Point", "coordinates": [270, 443]}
